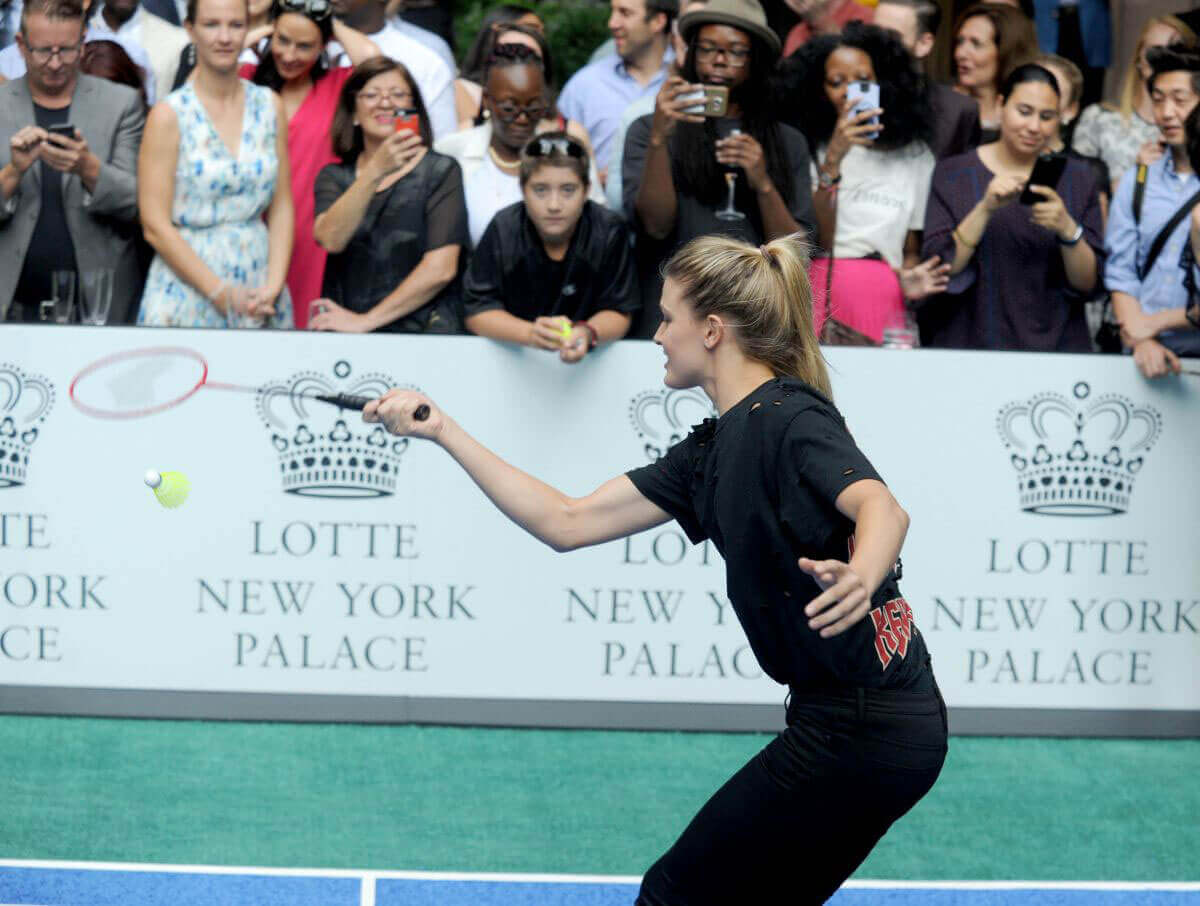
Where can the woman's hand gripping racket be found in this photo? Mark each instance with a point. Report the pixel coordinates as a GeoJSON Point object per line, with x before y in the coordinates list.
{"type": "Point", "coordinates": [404, 412]}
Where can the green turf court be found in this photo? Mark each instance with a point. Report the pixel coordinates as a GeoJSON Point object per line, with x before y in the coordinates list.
{"type": "Point", "coordinates": [579, 802]}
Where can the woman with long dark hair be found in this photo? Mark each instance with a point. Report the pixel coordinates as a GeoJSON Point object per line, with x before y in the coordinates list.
{"type": "Point", "coordinates": [390, 213]}
{"type": "Point", "coordinates": [293, 63]}
{"type": "Point", "coordinates": [1020, 273]}
{"type": "Point", "coordinates": [873, 169]}
{"type": "Point", "coordinates": [742, 174]}
{"type": "Point", "coordinates": [810, 536]}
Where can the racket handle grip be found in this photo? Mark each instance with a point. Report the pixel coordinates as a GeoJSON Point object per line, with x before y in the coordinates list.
{"type": "Point", "coordinates": [349, 401]}
{"type": "Point", "coordinates": [345, 400]}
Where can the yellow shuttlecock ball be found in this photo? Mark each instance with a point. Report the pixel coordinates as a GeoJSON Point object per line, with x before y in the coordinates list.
{"type": "Point", "coordinates": [171, 488]}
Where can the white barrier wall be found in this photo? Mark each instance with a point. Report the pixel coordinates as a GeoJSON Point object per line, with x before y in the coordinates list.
{"type": "Point", "coordinates": [1053, 562]}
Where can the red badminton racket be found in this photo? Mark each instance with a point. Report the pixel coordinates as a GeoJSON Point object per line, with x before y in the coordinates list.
{"type": "Point", "coordinates": [136, 383]}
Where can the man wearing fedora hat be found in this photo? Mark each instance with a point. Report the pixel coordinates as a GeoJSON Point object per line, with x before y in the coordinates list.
{"type": "Point", "coordinates": [681, 171]}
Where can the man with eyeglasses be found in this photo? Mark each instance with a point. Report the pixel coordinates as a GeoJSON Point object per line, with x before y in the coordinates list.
{"type": "Point", "coordinates": [62, 206]}
{"type": "Point", "coordinates": [598, 94]}
{"type": "Point", "coordinates": [12, 62]}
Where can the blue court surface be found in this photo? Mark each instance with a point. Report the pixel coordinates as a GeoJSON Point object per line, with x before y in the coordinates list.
{"type": "Point", "coordinates": [96, 884]}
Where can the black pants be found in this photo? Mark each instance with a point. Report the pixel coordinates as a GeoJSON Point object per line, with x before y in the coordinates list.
{"type": "Point", "coordinates": [806, 811]}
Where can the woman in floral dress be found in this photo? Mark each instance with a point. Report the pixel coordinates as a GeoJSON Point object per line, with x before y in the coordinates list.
{"type": "Point", "coordinates": [213, 163]}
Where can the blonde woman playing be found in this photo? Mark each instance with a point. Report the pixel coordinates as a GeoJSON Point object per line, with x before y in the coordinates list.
{"type": "Point", "coordinates": [810, 536]}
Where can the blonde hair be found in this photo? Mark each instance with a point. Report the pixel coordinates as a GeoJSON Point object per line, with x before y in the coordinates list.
{"type": "Point", "coordinates": [764, 293]}
{"type": "Point", "coordinates": [1130, 84]}
{"type": "Point", "coordinates": [1069, 69]}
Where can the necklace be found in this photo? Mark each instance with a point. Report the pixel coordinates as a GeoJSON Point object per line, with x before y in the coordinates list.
{"type": "Point", "coordinates": [501, 162]}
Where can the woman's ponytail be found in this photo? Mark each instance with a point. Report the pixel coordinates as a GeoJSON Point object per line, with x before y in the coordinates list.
{"type": "Point", "coordinates": [764, 293]}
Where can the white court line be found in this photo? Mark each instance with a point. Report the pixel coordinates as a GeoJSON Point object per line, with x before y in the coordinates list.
{"type": "Point", "coordinates": [372, 876]}
{"type": "Point", "coordinates": [368, 891]}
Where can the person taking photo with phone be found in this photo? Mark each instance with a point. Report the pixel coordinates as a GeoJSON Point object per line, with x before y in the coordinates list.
{"type": "Point", "coordinates": [867, 116]}
{"type": "Point", "coordinates": [1147, 238]}
{"type": "Point", "coordinates": [390, 213]}
{"type": "Point", "coordinates": [713, 158]}
{"type": "Point", "coordinates": [1024, 245]}
{"type": "Point", "coordinates": [68, 181]}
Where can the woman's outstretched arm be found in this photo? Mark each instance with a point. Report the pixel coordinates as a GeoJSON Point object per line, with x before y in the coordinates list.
{"type": "Point", "coordinates": [613, 510]}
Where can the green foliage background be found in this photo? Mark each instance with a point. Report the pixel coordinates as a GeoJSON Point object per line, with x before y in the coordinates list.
{"type": "Point", "coordinates": [574, 28]}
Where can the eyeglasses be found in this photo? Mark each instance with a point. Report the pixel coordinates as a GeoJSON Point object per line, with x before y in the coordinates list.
{"type": "Point", "coordinates": [317, 10]}
{"type": "Point", "coordinates": [393, 98]}
{"type": "Point", "coordinates": [508, 111]}
{"type": "Point", "coordinates": [736, 57]}
{"type": "Point", "coordinates": [43, 55]}
{"type": "Point", "coordinates": [544, 147]}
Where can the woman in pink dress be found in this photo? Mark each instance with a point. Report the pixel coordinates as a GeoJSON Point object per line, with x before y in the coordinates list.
{"type": "Point", "coordinates": [296, 61]}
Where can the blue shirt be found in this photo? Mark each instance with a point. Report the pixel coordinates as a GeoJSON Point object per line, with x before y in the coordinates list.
{"type": "Point", "coordinates": [599, 93]}
{"type": "Point", "coordinates": [1128, 243]}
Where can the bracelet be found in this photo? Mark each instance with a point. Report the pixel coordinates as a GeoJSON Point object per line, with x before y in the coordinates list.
{"type": "Point", "coordinates": [1074, 238]}
{"type": "Point", "coordinates": [593, 336]}
{"type": "Point", "coordinates": [959, 236]}
{"type": "Point", "coordinates": [825, 181]}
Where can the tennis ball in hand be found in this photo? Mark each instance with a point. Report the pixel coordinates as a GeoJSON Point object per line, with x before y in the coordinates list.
{"type": "Point", "coordinates": [171, 488]}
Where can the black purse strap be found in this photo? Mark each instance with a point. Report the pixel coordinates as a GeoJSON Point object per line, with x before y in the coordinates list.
{"type": "Point", "coordinates": [1165, 233]}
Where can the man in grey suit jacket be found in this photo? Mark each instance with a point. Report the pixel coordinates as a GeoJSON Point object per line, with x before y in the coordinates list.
{"type": "Point", "coordinates": [68, 196]}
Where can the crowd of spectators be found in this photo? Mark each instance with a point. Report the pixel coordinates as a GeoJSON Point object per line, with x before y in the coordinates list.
{"type": "Point", "coordinates": [325, 164]}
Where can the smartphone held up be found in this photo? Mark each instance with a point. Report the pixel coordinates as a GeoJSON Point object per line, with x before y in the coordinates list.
{"type": "Point", "coordinates": [707, 100]}
{"type": "Point", "coordinates": [865, 96]}
{"type": "Point", "coordinates": [407, 121]}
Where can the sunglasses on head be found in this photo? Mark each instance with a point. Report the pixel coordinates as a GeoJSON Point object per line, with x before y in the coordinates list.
{"type": "Point", "coordinates": [540, 146]}
{"type": "Point", "coordinates": [318, 10]}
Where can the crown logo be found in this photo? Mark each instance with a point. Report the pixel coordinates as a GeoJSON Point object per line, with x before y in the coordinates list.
{"type": "Point", "coordinates": [1077, 457]}
{"type": "Point", "coordinates": [661, 418]}
{"type": "Point", "coordinates": [324, 451]}
{"type": "Point", "coordinates": [25, 401]}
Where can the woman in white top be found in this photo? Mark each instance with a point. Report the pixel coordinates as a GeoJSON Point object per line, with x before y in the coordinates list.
{"type": "Point", "coordinates": [1125, 135]}
{"type": "Point", "coordinates": [871, 179]}
{"type": "Point", "coordinates": [490, 154]}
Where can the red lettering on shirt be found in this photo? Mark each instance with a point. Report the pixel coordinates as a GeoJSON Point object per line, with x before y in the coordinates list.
{"type": "Point", "coordinates": [893, 623]}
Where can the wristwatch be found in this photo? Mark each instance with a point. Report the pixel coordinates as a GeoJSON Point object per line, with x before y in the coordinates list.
{"type": "Point", "coordinates": [1075, 237]}
{"type": "Point", "coordinates": [825, 181]}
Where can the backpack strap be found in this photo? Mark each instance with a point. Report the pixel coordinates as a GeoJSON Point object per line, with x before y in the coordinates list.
{"type": "Point", "coordinates": [1139, 193]}
{"type": "Point", "coordinates": [1165, 233]}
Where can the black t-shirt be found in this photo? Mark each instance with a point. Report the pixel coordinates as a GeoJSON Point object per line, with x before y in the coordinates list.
{"type": "Point", "coordinates": [421, 212]}
{"type": "Point", "coordinates": [511, 270]}
{"type": "Point", "coordinates": [50, 247]}
{"type": "Point", "coordinates": [761, 482]}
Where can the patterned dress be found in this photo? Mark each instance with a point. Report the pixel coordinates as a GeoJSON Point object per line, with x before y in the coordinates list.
{"type": "Point", "coordinates": [218, 208]}
{"type": "Point", "coordinates": [1104, 133]}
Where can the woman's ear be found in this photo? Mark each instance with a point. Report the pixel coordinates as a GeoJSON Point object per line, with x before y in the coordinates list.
{"type": "Point", "coordinates": [714, 331]}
